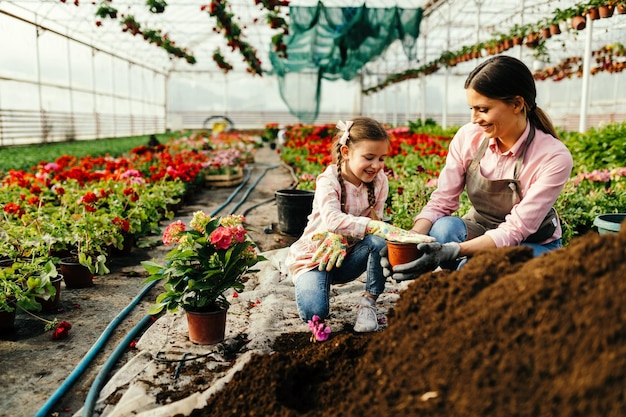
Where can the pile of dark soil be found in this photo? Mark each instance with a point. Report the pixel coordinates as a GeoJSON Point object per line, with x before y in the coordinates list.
{"type": "Point", "coordinates": [505, 336]}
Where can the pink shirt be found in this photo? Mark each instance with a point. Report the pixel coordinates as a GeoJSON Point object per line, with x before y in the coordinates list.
{"type": "Point", "coordinates": [547, 166]}
{"type": "Point", "coordinates": [327, 216]}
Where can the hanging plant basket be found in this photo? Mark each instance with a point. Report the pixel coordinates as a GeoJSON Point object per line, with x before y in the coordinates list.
{"type": "Point", "coordinates": [555, 29]}
{"type": "Point", "coordinates": [594, 14]}
{"type": "Point", "coordinates": [578, 23]}
{"type": "Point", "coordinates": [606, 11]}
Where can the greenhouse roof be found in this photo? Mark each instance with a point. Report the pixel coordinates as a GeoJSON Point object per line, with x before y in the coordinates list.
{"type": "Point", "coordinates": [447, 25]}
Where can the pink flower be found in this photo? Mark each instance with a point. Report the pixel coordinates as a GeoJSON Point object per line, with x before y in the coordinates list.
{"type": "Point", "coordinates": [221, 238]}
{"type": "Point", "coordinates": [319, 329]}
{"type": "Point", "coordinates": [172, 231]}
{"type": "Point", "coordinates": [239, 233]}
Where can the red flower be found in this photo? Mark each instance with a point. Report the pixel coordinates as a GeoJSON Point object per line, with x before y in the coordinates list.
{"type": "Point", "coordinates": [61, 330]}
{"type": "Point", "coordinates": [13, 208]}
{"type": "Point", "coordinates": [89, 197]}
{"type": "Point", "coordinates": [122, 223]}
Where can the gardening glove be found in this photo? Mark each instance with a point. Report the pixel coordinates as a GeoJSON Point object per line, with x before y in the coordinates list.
{"type": "Point", "coordinates": [384, 262]}
{"type": "Point", "coordinates": [433, 255]}
{"type": "Point", "coordinates": [331, 252]}
{"type": "Point", "coordinates": [395, 234]}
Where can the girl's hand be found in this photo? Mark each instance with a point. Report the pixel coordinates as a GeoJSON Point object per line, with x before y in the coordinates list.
{"type": "Point", "coordinates": [331, 252]}
{"type": "Point", "coordinates": [395, 234]}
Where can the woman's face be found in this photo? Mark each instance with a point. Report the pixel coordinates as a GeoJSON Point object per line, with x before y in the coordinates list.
{"type": "Point", "coordinates": [364, 160]}
{"type": "Point", "coordinates": [497, 118]}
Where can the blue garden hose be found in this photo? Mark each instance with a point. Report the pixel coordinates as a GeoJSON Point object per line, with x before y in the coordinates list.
{"type": "Point", "coordinates": [98, 383]}
{"type": "Point", "coordinates": [82, 365]}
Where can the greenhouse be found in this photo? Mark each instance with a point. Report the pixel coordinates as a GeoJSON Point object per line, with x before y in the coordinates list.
{"type": "Point", "coordinates": [254, 164]}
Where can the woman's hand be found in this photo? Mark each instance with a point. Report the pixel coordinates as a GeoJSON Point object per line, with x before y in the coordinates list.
{"type": "Point", "coordinates": [433, 255]}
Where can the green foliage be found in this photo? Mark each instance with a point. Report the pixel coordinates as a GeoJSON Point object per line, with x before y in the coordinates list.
{"type": "Point", "coordinates": [25, 157]}
{"type": "Point", "coordinates": [430, 126]}
{"type": "Point", "coordinates": [210, 258]}
{"type": "Point", "coordinates": [598, 147]}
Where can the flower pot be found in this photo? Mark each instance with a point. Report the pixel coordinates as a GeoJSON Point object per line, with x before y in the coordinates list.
{"type": "Point", "coordinates": [294, 207]}
{"type": "Point", "coordinates": [127, 245]}
{"type": "Point", "coordinates": [555, 29]}
{"type": "Point", "coordinates": [53, 303]}
{"type": "Point", "coordinates": [7, 320]}
{"type": "Point", "coordinates": [606, 11]}
{"type": "Point", "coordinates": [402, 253]}
{"type": "Point", "coordinates": [578, 23]}
{"type": "Point", "coordinates": [206, 328]}
{"type": "Point", "coordinates": [621, 8]}
{"type": "Point", "coordinates": [75, 275]}
{"type": "Point", "coordinates": [609, 223]}
{"type": "Point", "coordinates": [594, 14]}
{"type": "Point", "coordinates": [224, 180]}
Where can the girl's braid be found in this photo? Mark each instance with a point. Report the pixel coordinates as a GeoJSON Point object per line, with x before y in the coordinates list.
{"type": "Point", "coordinates": [340, 178]}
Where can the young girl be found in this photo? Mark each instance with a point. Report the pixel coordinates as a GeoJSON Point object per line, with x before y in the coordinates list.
{"type": "Point", "coordinates": [344, 235]}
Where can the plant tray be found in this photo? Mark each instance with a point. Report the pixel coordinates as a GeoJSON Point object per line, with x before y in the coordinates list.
{"type": "Point", "coordinates": [224, 180]}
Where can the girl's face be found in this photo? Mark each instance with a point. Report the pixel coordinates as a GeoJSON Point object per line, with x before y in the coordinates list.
{"type": "Point", "coordinates": [363, 160]}
{"type": "Point", "coordinates": [497, 118]}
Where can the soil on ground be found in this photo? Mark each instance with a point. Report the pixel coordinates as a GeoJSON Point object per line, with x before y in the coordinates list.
{"type": "Point", "coordinates": [505, 336]}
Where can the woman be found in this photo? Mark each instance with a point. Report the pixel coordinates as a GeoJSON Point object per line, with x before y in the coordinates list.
{"type": "Point", "coordinates": [512, 165]}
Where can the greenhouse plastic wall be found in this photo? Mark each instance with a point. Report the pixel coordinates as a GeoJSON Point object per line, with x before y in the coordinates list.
{"type": "Point", "coordinates": [63, 89]}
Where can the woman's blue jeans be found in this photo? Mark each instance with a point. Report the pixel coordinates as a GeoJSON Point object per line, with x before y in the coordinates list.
{"type": "Point", "coordinates": [313, 287]}
{"type": "Point", "coordinates": [452, 229]}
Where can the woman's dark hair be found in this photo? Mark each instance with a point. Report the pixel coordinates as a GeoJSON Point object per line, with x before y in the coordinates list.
{"type": "Point", "coordinates": [505, 78]}
{"type": "Point", "coordinates": [363, 128]}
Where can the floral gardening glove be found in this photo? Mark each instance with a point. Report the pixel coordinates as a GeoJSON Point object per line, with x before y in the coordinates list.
{"type": "Point", "coordinates": [433, 255]}
{"type": "Point", "coordinates": [395, 234]}
{"type": "Point", "coordinates": [331, 252]}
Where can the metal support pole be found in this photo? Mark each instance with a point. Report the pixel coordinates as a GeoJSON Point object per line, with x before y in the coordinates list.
{"type": "Point", "coordinates": [584, 98]}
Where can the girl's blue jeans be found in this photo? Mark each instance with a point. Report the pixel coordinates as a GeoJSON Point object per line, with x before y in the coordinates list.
{"type": "Point", "coordinates": [452, 229]}
{"type": "Point", "coordinates": [313, 287]}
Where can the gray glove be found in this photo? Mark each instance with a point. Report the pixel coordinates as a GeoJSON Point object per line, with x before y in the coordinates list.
{"type": "Point", "coordinates": [433, 255]}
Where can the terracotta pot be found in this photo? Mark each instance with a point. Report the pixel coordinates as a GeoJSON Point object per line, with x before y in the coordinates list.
{"type": "Point", "coordinates": [7, 321]}
{"type": "Point", "coordinates": [52, 303]}
{"type": "Point", "coordinates": [75, 275]}
{"type": "Point", "coordinates": [401, 253]}
{"type": "Point", "coordinates": [606, 11]}
{"type": "Point", "coordinates": [578, 23]}
{"type": "Point", "coordinates": [532, 40]}
{"type": "Point", "coordinates": [555, 29]}
{"type": "Point", "coordinates": [594, 14]}
{"type": "Point", "coordinates": [127, 247]}
{"type": "Point", "coordinates": [621, 9]}
{"type": "Point", "coordinates": [206, 328]}
{"type": "Point", "coordinates": [545, 33]}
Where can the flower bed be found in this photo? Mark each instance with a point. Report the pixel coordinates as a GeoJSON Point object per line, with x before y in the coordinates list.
{"type": "Point", "coordinates": [418, 152]}
{"type": "Point", "coordinates": [92, 204]}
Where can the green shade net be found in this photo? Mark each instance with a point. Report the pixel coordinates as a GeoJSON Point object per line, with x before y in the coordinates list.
{"type": "Point", "coordinates": [335, 43]}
